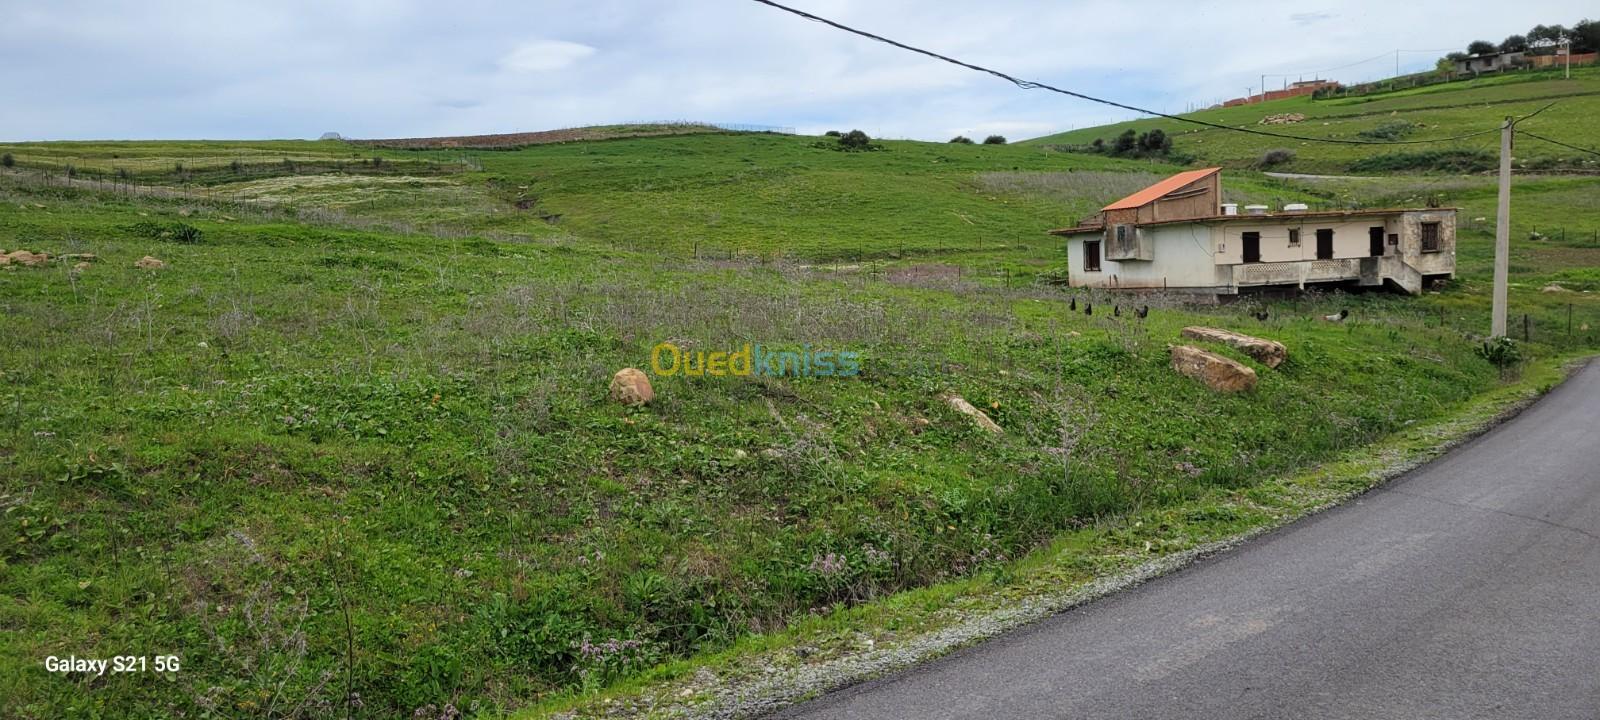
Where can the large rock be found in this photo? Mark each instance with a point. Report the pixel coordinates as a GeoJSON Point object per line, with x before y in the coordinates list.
{"type": "Point", "coordinates": [27, 259]}
{"type": "Point", "coordinates": [1217, 372]}
{"type": "Point", "coordinates": [148, 263]}
{"type": "Point", "coordinates": [960, 405]}
{"type": "Point", "coordinates": [1270, 353]}
{"type": "Point", "coordinates": [630, 386]}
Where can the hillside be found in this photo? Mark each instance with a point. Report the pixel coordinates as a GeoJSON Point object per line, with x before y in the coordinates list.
{"type": "Point", "coordinates": [354, 437]}
{"type": "Point", "coordinates": [1433, 111]}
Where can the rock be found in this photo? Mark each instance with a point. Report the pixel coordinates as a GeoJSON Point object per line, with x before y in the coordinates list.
{"type": "Point", "coordinates": [630, 387]}
{"type": "Point", "coordinates": [960, 405]}
{"type": "Point", "coordinates": [772, 453]}
{"type": "Point", "coordinates": [148, 263]}
{"type": "Point", "coordinates": [1554, 288]}
{"type": "Point", "coordinates": [1270, 353]}
{"type": "Point", "coordinates": [80, 267]}
{"type": "Point", "coordinates": [1217, 372]}
{"type": "Point", "coordinates": [27, 259]}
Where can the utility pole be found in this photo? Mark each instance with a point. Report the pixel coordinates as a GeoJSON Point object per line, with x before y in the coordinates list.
{"type": "Point", "coordinates": [1397, 63]}
{"type": "Point", "coordinates": [1502, 234]}
{"type": "Point", "coordinates": [1568, 43]}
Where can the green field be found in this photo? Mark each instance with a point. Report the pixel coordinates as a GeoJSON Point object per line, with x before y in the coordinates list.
{"type": "Point", "coordinates": [1430, 112]}
{"type": "Point", "coordinates": [351, 451]}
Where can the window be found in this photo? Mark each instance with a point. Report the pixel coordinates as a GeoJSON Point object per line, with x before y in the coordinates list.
{"type": "Point", "coordinates": [1294, 236]}
{"type": "Point", "coordinates": [1252, 246]}
{"type": "Point", "coordinates": [1325, 243]}
{"type": "Point", "coordinates": [1430, 237]}
{"type": "Point", "coordinates": [1091, 256]}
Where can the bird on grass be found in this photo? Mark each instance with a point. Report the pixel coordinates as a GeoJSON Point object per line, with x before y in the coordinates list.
{"type": "Point", "coordinates": [1088, 308]}
{"type": "Point", "coordinates": [1143, 312]}
{"type": "Point", "coordinates": [1116, 311]}
{"type": "Point", "coordinates": [1073, 305]}
{"type": "Point", "coordinates": [1338, 316]}
{"type": "Point", "coordinates": [1261, 315]}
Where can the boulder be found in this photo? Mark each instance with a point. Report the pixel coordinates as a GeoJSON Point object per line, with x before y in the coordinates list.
{"type": "Point", "coordinates": [148, 263]}
{"type": "Point", "coordinates": [27, 259]}
{"type": "Point", "coordinates": [1217, 372]}
{"type": "Point", "coordinates": [960, 405]}
{"type": "Point", "coordinates": [1270, 353]}
{"type": "Point", "coordinates": [630, 386]}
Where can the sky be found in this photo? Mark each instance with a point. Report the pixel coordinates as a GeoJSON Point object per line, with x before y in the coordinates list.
{"type": "Point", "coordinates": [395, 68]}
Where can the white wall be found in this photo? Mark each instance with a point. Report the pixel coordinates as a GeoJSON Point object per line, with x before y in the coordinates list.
{"type": "Point", "coordinates": [1183, 259]}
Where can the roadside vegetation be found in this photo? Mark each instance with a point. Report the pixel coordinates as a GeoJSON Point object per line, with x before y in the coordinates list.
{"type": "Point", "coordinates": [349, 450]}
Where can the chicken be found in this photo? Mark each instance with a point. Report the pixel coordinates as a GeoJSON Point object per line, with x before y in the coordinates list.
{"type": "Point", "coordinates": [1073, 305]}
{"type": "Point", "coordinates": [1338, 316]}
{"type": "Point", "coordinates": [1262, 315]}
{"type": "Point", "coordinates": [1143, 312]}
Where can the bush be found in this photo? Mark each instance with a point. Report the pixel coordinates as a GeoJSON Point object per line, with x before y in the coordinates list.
{"type": "Point", "coordinates": [1501, 352]}
{"type": "Point", "coordinates": [7, 160]}
{"type": "Point", "coordinates": [1274, 158]}
{"type": "Point", "coordinates": [1450, 160]}
{"type": "Point", "coordinates": [831, 133]}
{"type": "Point", "coordinates": [995, 140]}
{"type": "Point", "coordinates": [961, 140]}
{"type": "Point", "coordinates": [855, 140]}
{"type": "Point", "coordinates": [1155, 142]}
{"type": "Point", "coordinates": [174, 232]}
{"type": "Point", "coordinates": [1125, 143]}
{"type": "Point", "coordinates": [1392, 130]}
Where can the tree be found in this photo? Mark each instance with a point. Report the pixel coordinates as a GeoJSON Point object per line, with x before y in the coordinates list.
{"type": "Point", "coordinates": [7, 160]}
{"type": "Point", "coordinates": [1586, 36]}
{"type": "Point", "coordinates": [1514, 43]}
{"type": "Point", "coordinates": [1546, 35]}
{"type": "Point", "coordinates": [1099, 145]}
{"type": "Point", "coordinates": [995, 140]}
{"type": "Point", "coordinates": [1155, 142]}
{"type": "Point", "coordinates": [1125, 142]}
{"type": "Point", "coordinates": [1480, 47]}
{"type": "Point", "coordinates": [855, 140]}
{"type": "Point", "coordinates": [961, 140]}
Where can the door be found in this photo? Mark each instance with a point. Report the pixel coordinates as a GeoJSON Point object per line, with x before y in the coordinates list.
{"type": "Point", "coordinates": [1375, 242]}
{"type": "Point", "coordinates": [1252, 247]}
{"type": "Point", "coordinates": [1325, 244]}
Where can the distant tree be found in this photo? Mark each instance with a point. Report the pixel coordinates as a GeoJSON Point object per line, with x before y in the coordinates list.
{"type": "Point", "coordinates": [1514, 43]}
{"type": "Point", "coordinates": [831, 133]}
{"type": "Point", "coordinates": [8, 161]}
{"type": "Point", "coordinates": [1272, 158]}
{"type": "Point", "coordinates": [995, 140]}
{"type": "Point", "coordinates": [1125, 143]}
{"type": "Point", "coordinates": [236, 166]}
{"type": "Point", "coordinates": [1155, 142]}
{"type": "Point", "coordinates": [1481, 47]}
{"type": "Point", "coordinates": [855, 140]}
{"type": "Point", "coordinates": [961, 140]}
{"type": "Point", "coordinates": [1586, 36]}
{"type": "Point", "coordinates": [1099, 145]}
{"type": "Point", "coordinates": [1452, 57]}
{"type": "Point", "coordinates": [1544, 36]}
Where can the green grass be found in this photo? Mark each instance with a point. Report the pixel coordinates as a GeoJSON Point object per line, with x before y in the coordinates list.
{"type": "Point", "coordinates": [357, 435]}
{"type": "Point", "coordinates": [1439, 111]}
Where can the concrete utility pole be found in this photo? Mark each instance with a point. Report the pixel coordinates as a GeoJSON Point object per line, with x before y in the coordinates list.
{"type": "Point", "coordinates": [1502, 234]}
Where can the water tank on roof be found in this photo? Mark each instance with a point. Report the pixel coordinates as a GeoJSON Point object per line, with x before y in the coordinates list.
{"type": "Point", "coordinates": [1230, 208]}
{"type": "Point", "coordinates": [1255, 209]}
{"type": "Point", "coordinates": [1296, 207]}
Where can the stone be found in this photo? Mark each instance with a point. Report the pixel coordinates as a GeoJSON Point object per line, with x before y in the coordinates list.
{"type": "Point", "coordinates": [1217, 372]}
{"type": "Point", "coordinates": [148, 263]}
{"type": "Point", "coordinates": [1554, 288]}
{"type": "Point", "coordinates": [1270, 353]}
{"type": "Point", "coordinates": [960, 405]}
{"type": "Point", "coordinates": [80, 267]}
{"type": "Point", "coordinates": [630, 386]}
{"type": "Point", "coordinates": [27, 259]}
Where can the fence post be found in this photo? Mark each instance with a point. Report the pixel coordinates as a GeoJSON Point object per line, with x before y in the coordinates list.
{"type": "Point", "coordinates": [1526, 328]}
{"type": "Point", "coordinates": [1569, 320]}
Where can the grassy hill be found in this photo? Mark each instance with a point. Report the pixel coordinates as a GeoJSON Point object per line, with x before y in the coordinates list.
{"type": "Point", "coordinates": [1434, 111]}
{"type": "Point", "coordinates": [353, 440]}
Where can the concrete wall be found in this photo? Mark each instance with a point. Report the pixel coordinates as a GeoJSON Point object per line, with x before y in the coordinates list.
{"type": "Point", "coordinates": [1349, 238]}
{"type": "Point", "coordinates": [1183, 259]}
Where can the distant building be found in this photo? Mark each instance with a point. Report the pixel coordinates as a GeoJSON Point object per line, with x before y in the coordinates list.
{"type": "Point", "coordinates": [1304, 87]}
{"type": "Point", "coordinates": [1178, 235]}
{"type": "Point", "coordinates": [1491, 62]}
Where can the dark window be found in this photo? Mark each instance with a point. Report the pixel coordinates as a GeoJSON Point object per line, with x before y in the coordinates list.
{"type": "Point", "coordinates": [1430, 237]}
{"type": "Point", "coordinates": [1325, 244]}
{"type": "Point", "coordinates": [1294, 236]}
{"type": "Point", "coordinates": [1375, 241]}
{"type": "Point", "coordinates": [1252, 247]}
{"type": "Point", "coordinates": [1091, 256]}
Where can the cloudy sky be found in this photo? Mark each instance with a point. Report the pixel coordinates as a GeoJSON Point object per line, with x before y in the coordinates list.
{"type": "Point", "coordinates": [395, 68]}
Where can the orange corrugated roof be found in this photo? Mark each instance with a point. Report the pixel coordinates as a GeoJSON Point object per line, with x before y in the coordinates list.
{"type": "Point", "coordinates": [1156, 191]}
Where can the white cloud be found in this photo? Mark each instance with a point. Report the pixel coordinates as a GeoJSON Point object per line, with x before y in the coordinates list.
{"type": "Point", "coordinates": [544, 55]}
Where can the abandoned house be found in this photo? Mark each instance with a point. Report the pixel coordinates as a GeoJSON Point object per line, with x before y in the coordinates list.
{"type": "Point", "coordinates": [1178, 235]}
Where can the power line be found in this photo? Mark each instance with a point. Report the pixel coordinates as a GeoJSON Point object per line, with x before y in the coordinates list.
{"type": "Point", "coordinates": [1382, 56]}
{"type": "Point", "coordinates": [1031, 85]}
{"type": "Point", "coordinates": [1562, 144]}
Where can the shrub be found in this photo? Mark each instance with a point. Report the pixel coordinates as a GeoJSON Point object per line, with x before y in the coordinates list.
{"type": "Point", "coordinates": [7, 160]}
{"type": "Point", "coordinates": [831, 133]}
{"type": "Point", "coordinates": [236, 166]}
{"type": "Point", "coordinates": [855, 140]}
{"type": "Point", "coordinates": [1451, 160]}
{"type": "Point", "coordinates": [1273, 158]}
{"type": "Point", "coordinates": [959, 140]}
{"type": "Point", "coordinates": [1099, 145]}
{"type": "Point", "coordinates": [1155, 142]}
{"type": "Point", "coordinates": [1125, 143]}
{"type": "Point", "coordinates": [1501, 352]}
{"type": "Point", "coordinates": [995, 140]}
{"type": "Point", "coordinates": [174, 232]}
{"type": "Point", "coordinates": [1392, 130]}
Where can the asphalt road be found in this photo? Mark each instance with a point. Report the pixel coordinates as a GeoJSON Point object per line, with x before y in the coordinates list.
{"type": "Point", "coordinates": [1468, 588]}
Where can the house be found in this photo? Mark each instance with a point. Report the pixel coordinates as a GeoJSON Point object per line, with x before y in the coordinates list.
{"type": "Point", "coordinates": [1178, 235]}
{"type": "Point", "coordinates": [1491, 62]}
